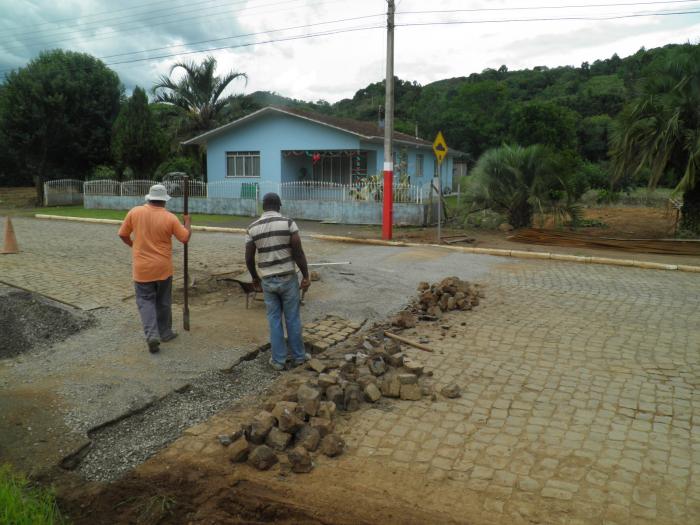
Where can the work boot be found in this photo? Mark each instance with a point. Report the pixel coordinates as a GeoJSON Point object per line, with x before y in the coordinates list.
{"type": "Point", "coordinates": [154, 346]}
{"type": "Point", "coordinates": [169, 337]}
{"type": "Point", "coordinates": [299, 362]}
{"type": "Point", "coordinates": [276, 366]}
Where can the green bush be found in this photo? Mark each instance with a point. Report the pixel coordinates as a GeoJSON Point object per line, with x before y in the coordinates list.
{"type": "Point", "coordinates": [186, 165]}
{"type": "Point", "coordinates": [103, 172]}
{"type": "Point", "coordinates": [22, 504]}
{"type": "Point", "coordinates": [595, 174]}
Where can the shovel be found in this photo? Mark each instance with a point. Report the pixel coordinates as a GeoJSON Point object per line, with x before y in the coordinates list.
{"type": "Point", "coordinates": [186, 309]}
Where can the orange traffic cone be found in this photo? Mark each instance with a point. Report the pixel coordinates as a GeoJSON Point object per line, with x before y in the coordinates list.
{"type": "Point", "coordinates": [10, 245]}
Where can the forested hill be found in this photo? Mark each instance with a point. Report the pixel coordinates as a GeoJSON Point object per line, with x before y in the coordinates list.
{"type": "Point", "coordinates": [565, 107]}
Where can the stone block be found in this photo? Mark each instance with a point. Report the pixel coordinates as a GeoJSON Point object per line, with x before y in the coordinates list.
{"type": "Point", "coordinates": [262, 457]}
{"type": "Point", "coordinates": [335, 394]}
{"type": "Point", "coordinates": [410, 392]}
{"type": "Point", "coordinates": [412, 366]}
{"type": "Point", "coordinates": [326, 409]}
{"type": "Point", "coordinates": [352, 397]}
{"type": "Point", "coordinates": [396, 359]}
{"type": "Point", "coordinates": [309, 398]}
{"type": "Point", "coordinates": [324, 426]}
{"type": "Point", "coordinates": [289, 422]}
{"type": "Point", "coordinates": [372, 393]}
{"type": "Point", "coordinates": [277, 439]}
{"type": "Point", "coordinates": [317, 365]}
{"type": "Point", "coordinates": [300, 460]}
{"type": "Point", "coordinates": [326, 380]}
{"type": "Point", "coordinates": [451, 391]}
{"type": "Point", "coordinates": [238, 450]}
{"type": "Point", "coordinates": [260, 427]}
{"type": "Point", "coordinates": [407, 379]}
{"type": "Point", "coordinates": [391, 386]}
{"type": "Point", "coordinates": [376, 365]}
{"type": "Point", "coordinates": [332, 445]}
{"type": "Point", "coordinates": [308, 437]}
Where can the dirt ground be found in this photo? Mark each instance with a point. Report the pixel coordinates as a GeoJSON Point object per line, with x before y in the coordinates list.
{"type": "Point", "coordinates": [195, 489]}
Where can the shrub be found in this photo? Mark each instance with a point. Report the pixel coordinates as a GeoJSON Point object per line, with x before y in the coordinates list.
{"type": "Point", "coordinates": [103, 172]}
{"type": "Point", "coordinates": [595, 174]}
{"type": "Point", "coordinates": [22, 504]}
{"type": "Point", "coordinates": [186, 165]}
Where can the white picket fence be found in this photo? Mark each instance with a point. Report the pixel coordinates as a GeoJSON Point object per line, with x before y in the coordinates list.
{"type": "Point", "coordinates": [63, 192]}
{"type": "Point", "coordinates": [254, 190]}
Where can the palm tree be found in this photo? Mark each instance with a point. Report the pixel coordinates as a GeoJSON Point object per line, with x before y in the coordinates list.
{"type": "Point", "coordinates": [199, 93]}
{"type": "Point", "coordinates": [660, 129]}
{"type": "Point", "coordinates": [518, 181]}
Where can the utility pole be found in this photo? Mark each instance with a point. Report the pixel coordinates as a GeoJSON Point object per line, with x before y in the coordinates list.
{"type": "Point", "coordinates": [387, 212]}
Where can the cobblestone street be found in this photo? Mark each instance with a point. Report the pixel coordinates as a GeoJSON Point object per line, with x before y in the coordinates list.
{"type": "Point", "coordinates": [580, 383]}
{"type": "Point", "coordinates": [580, 405]}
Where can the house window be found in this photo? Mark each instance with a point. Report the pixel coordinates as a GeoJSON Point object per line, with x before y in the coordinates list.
{"type": "Point", "coordinates": [243, 164]}
{"type": "Point", "coordinates": [419, 165]}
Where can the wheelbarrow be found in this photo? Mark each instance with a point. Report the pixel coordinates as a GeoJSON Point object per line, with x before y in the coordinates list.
{"type": "Point", "coordinates": [249, 289]}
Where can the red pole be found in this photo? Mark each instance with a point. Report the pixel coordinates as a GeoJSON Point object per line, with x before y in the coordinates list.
{"type": "Point", "coordinates": [388, 205]}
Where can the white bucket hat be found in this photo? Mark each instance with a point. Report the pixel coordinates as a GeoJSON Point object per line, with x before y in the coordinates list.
{"type": "Point", "coordinates": [158, 193]}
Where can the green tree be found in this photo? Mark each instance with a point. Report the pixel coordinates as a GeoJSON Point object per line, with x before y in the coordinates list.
{"type": "Point", "coordinates": [56, 115]}
{"type": "Point", "coordinates": [660, 129]}
{"type": "Point", "coordinates": [137, 141]}
{"type": "Point", "coordinates": [199, 94]}
{"type": "Point", "coordinates": [544, 123]}
{"type": "Point", "coordinates": [518, 181]}
{"type": "Point", "coordinates": [594, 137]}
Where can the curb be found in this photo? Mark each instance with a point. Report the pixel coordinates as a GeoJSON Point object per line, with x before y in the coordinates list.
{"type": "Point", "coordinates": [581, 259]}
{"type": "Point", "coordinates": [117, 221]}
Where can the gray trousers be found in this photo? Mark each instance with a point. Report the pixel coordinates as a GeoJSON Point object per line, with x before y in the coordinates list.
{"type": "Point", "coordinates": [154, 301]}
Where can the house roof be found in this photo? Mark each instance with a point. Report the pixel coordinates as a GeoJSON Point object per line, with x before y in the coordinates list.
{"type": "Point", "coordinates": [368, 131]}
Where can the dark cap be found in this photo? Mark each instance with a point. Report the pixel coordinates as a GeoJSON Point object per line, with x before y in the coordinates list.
{"type": "Point", "coordinates": [271, 201]}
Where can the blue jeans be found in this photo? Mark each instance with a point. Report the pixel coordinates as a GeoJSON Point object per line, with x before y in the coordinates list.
{"type": "Point", "coordinates": [282, 298]}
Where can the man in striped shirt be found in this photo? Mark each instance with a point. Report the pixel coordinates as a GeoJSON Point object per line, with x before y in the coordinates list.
{"type": "Point", "coordinates": [276, 240]}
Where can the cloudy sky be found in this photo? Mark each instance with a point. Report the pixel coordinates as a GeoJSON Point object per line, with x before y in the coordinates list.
{"type": "Point", "coordinates": [328, 49]}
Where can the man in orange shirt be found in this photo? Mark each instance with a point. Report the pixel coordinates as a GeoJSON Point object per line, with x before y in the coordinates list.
{"type": "Point", "coordinates": [153, 227]}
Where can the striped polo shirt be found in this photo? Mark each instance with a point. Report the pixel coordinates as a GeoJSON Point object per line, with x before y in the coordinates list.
{"type": "Point", "coordinates": [271, 234]}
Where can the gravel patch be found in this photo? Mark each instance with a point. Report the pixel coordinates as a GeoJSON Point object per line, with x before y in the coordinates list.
{"type": "Point", "coordinates": [118, 448]}
{"type": "Point", "coordinates": [29, 320]}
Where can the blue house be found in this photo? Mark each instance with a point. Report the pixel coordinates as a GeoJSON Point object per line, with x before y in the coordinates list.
{"type": "Point", "coordinates": [280, 145]}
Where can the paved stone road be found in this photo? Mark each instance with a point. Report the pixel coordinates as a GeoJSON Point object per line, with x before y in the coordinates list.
{"type": "Point", "coordinates": [86, 265]}
{"type": "Point", "coordinates": [581, 393]}
{"type": "Point", "coordinates": [580, 405]}
{"type": "Point", "coordinates": [581, 386]}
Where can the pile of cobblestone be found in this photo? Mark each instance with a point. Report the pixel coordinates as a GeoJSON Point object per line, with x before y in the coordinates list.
{"type": "Point", "coordinates": [451, 293]}
{"type": "Point", "coordinates": [303, 423]}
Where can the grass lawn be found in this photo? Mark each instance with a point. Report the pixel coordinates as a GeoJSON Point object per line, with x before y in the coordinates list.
{"type": "Point", "coordinates": [21, 504]}
{"type": "Point", "coordinates": [79, 211]}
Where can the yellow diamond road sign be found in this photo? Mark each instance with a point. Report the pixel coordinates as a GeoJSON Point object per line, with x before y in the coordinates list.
{"type": "Point", "coordinates": [440, 147]}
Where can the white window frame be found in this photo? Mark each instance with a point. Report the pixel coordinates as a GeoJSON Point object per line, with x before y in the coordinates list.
{"type": "Point", "coordinates": [252, 156]}
{"type": "Point", "coordinates": [420, 159]}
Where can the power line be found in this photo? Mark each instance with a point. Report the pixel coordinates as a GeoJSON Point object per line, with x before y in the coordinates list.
{"type": "Point", "coordinates": [72, 18]}
{"type": "Point", "coordinates": [332, 32]}
{"type": "Point", "coordinates": [554, 19]}
{"type": "Point", "coordinates": [138, 23]}
{"type": "Point", "coordinates": [83, 25]}
{"type": "Point", "coordinates": [246, 44]}
{"type": "Point", "coordinates": [249, 44]}
{"type": "Point", "coordinates": [245, 35]}
{"type": "Point", "coordinates": [371, 27]}
{"type": "Point", "coordinates": [536, 8]}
